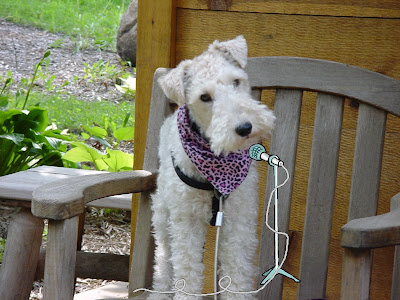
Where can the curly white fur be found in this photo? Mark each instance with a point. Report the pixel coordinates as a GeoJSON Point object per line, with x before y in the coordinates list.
{"type": "Point", "coordinates": [181, 213]}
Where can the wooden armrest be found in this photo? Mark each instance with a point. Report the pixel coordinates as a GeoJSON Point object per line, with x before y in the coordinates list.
{"type": "Point", "coordinates": [374, 232]}
{"type": "Point", "coordinates": [67, 198]}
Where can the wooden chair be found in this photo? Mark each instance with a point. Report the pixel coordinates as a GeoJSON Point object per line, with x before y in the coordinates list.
{"type": "Point", "coordinates": [377, 94]}
{"type": "Point", "coordinates": [23, 259]}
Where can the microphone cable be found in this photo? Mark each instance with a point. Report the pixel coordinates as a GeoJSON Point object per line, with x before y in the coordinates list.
{"type": "Point", "coordinates": [180, 284]}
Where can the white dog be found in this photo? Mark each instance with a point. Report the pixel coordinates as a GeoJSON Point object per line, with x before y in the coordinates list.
{"type": "Point", "coordinates": [204, 146]}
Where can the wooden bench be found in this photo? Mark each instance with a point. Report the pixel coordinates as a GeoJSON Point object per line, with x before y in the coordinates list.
{"type": "Point", "coordinates": [377, 96]}
{"type": "Point", "coordinates": [23, 260]}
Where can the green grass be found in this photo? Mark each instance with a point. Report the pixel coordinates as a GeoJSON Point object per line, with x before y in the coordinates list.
{"type": "Point", "coordinates": [2, 248]}
{"type": "Point", "coordinates": [72, 113]}
{"type": "Point", "coordinates": [89, 22]}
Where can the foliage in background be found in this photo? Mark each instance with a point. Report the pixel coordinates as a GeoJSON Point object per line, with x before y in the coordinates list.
{"type": "Point", "coordinates": [110, 159]}
{"type": "Point", "coordinates": [89, 22]}
{"type": "Point", "coordinates": [2, 248]}
{"type": "Point", "coordinates": [25, 141]}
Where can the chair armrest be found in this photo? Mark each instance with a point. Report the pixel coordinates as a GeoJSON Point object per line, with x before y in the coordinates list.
{"type": "Point", "coordinates": [67, 198]}
{"type": "Point", "coordinates": [374, 232]}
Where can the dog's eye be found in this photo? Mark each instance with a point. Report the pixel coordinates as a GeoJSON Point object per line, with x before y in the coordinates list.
{"type": "Point", "coordinates": [236, 82]}
{"type": "Point", "coordinates": [205, 98]}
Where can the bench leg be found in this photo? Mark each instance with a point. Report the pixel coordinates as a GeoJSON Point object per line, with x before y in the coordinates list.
{"type": "Point", "coordinates": [396, 275]}
{"type": "Point", "coordinates": [356, 274]}
{"type": "Point", "coordinates": [21, 255]}
{"type": "Point", "coordinates": [59, 274]}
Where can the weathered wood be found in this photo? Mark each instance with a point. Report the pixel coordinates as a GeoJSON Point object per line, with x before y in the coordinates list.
{"type": "Point", "coordinates": [396, 275]}
{"type": "Point", "coordinates": [284, 144]}
{"type": "Point", "coordinates": [67, 198]}
{"type": "Point", "coordinates": [336, 39]}
{"type": "Point", "coordinates": [16, 189]}
{"type": "Point", "coordinates": [143, 245]}
{"type": "Point", "coordinates": [372, 232]}
{"type": "Point", "coordinates": [320, 196]}
{"type": "Point", "coordinates": [155, 31]}
{"type": "Point", "coordinates": [318, 75]}
{"type": "Point", "coordinates": [363, 203]}
{"type": "Point", "coordinates": [389, 9]}
{"type": "Point", "coordinates": [367, 162]}
{"type": "Point", "coordinates": [94, 265]}
{"type": "Point", "coordinates": [59, 275]}
{"type": "Point", "coordinates": [356, 274]}
{"type": "Point", "coordinates": [102, 266]}
{"type": "Point", "coordinates": [395, 204]}
{"type": "Point", "coordinates": [21, 255]}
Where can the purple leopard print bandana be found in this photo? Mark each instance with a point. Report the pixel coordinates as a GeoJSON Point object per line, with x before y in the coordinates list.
{"type": "Point", "coordinates": [225, 173]}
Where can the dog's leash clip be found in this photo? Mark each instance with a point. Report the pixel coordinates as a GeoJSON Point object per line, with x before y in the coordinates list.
{"type": "Point", "coordinates": [217, 213]}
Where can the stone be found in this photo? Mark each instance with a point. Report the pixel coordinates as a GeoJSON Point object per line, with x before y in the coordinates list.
{"type": "Point", "coordinates": [127, 32]}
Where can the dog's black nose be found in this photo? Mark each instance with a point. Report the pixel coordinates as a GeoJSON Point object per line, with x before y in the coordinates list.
{"type": "Point", "coordinates": [244, 129]}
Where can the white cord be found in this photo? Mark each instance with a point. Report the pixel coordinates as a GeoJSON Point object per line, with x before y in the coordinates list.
{"type": "Point", "coordinates": [181, 284]}
{"type": "Point", "coordinates": [216, 249]}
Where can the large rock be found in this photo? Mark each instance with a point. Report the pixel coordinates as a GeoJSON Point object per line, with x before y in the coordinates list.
{"type": "Point", "coordinates": [126, 38]}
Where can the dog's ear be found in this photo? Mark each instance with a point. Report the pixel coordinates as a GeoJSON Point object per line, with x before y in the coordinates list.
{"type": "Point", "coordinates": [235, 49]}
{"type": "Point", "coordinates": [172, 83]}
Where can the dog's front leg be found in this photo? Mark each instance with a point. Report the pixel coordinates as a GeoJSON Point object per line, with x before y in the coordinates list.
{"type": "Point", "coordinates": [238, 244]}
{"type": "Point", "coordinates": [187, 246]}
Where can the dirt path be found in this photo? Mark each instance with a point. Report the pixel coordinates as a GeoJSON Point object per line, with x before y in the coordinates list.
{"type": "Point", "coordinates": [21, 47]}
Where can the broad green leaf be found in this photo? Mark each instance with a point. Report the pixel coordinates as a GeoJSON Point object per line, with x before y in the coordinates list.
{"type": "Point", "coordinates": [96, 131]}
{"type": "Point", "coordinates": [78, 155]}
{"type": "Point", "coordinates": [16, 138]}
{"type": "Point", "coordinates": [54, 142]}
{"type": "Point", "coordinates": [3, 102]}
{"type": "Point", "coordinates": [40, 117]}
{"type": "Point", "coordinates": [85, 153]}
{"type": "Point", "coordinates": [8, 115]}
{"type": "Point", "coordinates": [124, 133]}
{"type": "Point", "coordinates": [118, 160]}
{"type": "Point", "coordinates": [85, 135]}
{"type": "Point", "coordinates": [58, 134]}
{"type": "Point", "coordinates": [100, 165]}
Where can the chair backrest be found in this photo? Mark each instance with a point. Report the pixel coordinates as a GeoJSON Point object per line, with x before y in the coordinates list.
{"type": "Point", "coordinates": [377, 94]}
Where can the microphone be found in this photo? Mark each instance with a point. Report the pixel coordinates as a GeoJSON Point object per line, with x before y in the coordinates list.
{"type": "Point", "coordinates": [258, 152]}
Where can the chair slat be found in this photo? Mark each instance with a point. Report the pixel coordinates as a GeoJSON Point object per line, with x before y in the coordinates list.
{"type": "Point", "coordinates": [396, 275]}
{"type": "Point", "coordinates": [367, 162]}
{"type": "Point", "coordinates": [395, 204]}
{"type": "Point", "coordinates": [143, 247]}
{"type": "Point", "coordinates": [284, 144]}
{"type": "Point", "coordinates": [320, 196]}
{"type": "Point", "coordinates": [357, 264]}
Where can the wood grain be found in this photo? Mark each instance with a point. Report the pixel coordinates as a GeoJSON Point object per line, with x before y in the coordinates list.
{"type": "Point", "coordinates": [384, 9]}
{"type": "Point", "coordinates": [155, 48]}
{"type": "Point", "coordinates": [68, 198]}
{"type": "Point", "coordinates": [94, 265]}
{"type": "Point", "coordinates": [318, 75]}
{"type": "Point", "coordinates": [283, 142]}
{"type": "Point", "coordinates": [21, 255]}
{"type": "Point", "coordinates": [354, 41]}
{"type": "Point", "coordinates": [356, 274]}
{"type": "Point", "coordinates": [59, 275]}
{"type": "Point", "coordinates": [320, 196]}
{"type": "Point", "coordinates": [372, 232]}
{"type": "Point", "coordinates": [143, 245]}
{"type": "Point", "coordinates": [396, 275]}
{"type": "Point", "coordinates": [16, 189]}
